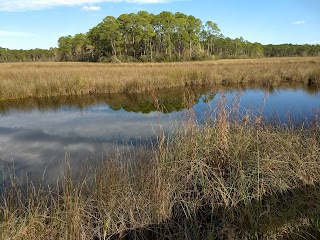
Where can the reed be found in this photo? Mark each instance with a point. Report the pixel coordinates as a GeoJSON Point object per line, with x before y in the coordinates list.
{"type": "Point", "coordinates": [25, 80]}
{"type": "Point", "coordinates": [233, 177]}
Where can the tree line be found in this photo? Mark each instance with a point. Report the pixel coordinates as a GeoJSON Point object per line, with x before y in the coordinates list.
{"type": "Point", "coordinates": [32, 55]}
{"type": "Point", "coordinates": [148, 37]}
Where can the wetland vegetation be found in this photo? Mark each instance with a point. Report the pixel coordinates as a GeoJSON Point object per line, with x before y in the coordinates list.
{"type": "Point", "coordinates": [232, 177]}
{"type": "Point", "coordinates": [24, 80]}
{"type": "Point", "coordinates": [229, 174]}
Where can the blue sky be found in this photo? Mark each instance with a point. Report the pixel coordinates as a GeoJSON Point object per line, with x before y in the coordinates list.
{"type": "Point", "coordinates": [26, 24]}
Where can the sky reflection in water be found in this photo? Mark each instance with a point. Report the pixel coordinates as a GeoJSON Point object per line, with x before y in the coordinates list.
{"type": "Point", "coordinates": [36, 139]}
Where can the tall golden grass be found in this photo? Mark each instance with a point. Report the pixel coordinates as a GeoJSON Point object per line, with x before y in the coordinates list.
{"type": "Point", "coordinates": [23, 80]}
{"type": "Point", "coordinates": [231, 178]}
{"type": "Point", "coordinates": [172, 99]}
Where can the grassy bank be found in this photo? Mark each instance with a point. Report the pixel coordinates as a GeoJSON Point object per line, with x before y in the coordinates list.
{"type": "Point", "coordinates": [22, 80]}
{"type": "Point", "coordinates": [173, 99]}
{"type": "Point", "coordinates": [225, 179]}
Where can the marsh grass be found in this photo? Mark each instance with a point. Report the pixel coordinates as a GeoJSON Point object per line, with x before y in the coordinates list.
{"type": "Point", "coordinates": [172, 99]}
{"type": "Point", "coordinates": [23, 80]}
{"type": "Point", "coordinates": [233, 177]}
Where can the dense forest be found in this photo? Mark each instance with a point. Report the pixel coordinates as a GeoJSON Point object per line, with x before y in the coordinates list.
{"type": "Point", "coordinates": [148, 37]}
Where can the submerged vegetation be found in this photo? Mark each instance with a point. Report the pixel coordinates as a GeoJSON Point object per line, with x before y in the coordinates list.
{"type": "Point", "coordinates": [233, 177]}
{"type": "Point", "coordinates": [23, 80]}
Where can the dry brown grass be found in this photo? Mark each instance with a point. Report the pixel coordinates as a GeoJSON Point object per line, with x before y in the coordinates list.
{"type": "Point", "coordinates": [225, 179]}
{"type": "Point", "coordinates": [21, 80]}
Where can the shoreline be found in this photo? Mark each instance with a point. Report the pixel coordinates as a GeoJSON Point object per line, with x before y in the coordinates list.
{"type": "Point", "coordinates": [36, 80]}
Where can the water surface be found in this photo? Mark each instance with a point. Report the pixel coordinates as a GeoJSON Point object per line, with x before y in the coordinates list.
{"type": "Point", "coordinates": [37, 134]}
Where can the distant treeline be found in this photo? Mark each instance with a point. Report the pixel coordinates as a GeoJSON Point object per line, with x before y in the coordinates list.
{"type": "Point", "coordinates": [33, 55]}
{"type": "Point", "coordinates": [148, 37]}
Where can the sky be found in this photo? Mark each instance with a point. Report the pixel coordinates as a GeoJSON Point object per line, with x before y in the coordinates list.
{"type": "Point", "coordinates": [28, 24]}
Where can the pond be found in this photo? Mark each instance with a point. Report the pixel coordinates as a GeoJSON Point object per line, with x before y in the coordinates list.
{"type": "Point", "coordinates": [36, 135]}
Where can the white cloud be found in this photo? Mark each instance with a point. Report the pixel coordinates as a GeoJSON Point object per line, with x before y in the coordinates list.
{"type": "Point", "coordinates": [91, 8]}
{"type": "Point", "coordinates": [4, 33]}
{"type": "Point", "coordinates": [298, 22]}
{"type": "Point", "coordinates": [25, 5]}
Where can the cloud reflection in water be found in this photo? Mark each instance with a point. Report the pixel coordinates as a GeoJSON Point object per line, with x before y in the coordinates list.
{"type": "Point", "coordinates": [33, 141]}
{"type": "Point", "coordinates": [88, 129]}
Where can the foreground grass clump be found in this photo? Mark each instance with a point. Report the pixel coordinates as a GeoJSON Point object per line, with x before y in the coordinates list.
{"type": "Point", "coordinates": [22, 80]}
{"type": "Point", "coordinates": [222, 180]}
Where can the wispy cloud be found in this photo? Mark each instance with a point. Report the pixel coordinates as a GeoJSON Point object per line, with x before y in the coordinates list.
{"type": "Point", "coordinates": [27, 5]}
{"type": "Point", "coordinates": [5, 33]}
{"type": "Point", "coordinates": [298, 22]}
{"type": "Point", "coordinates": [91, 8]}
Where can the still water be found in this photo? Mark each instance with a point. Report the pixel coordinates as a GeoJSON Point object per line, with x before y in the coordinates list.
{"type": "Point", "coordinates": [37, 134]}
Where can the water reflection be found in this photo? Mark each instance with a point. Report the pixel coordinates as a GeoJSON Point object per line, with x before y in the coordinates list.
{"type": "Point", "coordinates": [167, 100]}
{"type": "Point", "coordinates": [35, 140]}
{"type": "Point", "coordinates": [35, 134]}
{"type": "Point", "coordinates": [286, 106]}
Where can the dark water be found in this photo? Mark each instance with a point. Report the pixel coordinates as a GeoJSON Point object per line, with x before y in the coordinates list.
{"type": "Point", "coordinates": [37, 134]}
